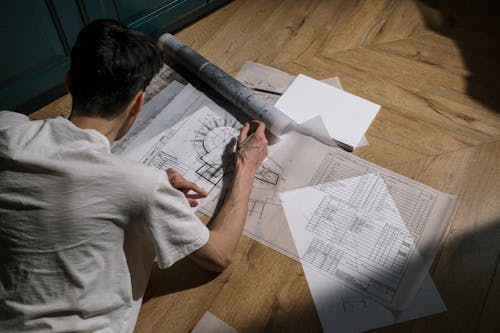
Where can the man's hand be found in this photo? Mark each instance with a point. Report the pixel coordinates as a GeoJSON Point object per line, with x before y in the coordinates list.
{"type": "Point", "coordinates": [252, 150]}
{"type": "Point", "coordinates": [180, 183]}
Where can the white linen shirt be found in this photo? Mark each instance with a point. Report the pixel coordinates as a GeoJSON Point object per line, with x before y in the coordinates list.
{"type": "Point", "coordinates": [79, 228]}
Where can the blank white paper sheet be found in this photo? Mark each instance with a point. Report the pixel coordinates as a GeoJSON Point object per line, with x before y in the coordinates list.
{"type": "Point", "coordinates": [345, 116]}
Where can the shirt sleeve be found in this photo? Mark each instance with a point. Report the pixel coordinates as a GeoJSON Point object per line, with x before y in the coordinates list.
{"type": "Point", "coordinates": [176, 231]}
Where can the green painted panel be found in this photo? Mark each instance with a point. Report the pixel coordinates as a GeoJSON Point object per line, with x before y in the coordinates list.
{"type": "Point", "coordinates": [130, 10]}
{"type": "Point", "coordinates": [71, 19]}
{"type": "Point", "coordinates": [28, 39]}
{"type": "Point", "coordinates": [34, 58]}
{"type": "Point", "coordinates": [96, 9]}
{"type": "Point", "coordinates": [165, 17]}
{"type": "Point", "coordinates": [33, 91]}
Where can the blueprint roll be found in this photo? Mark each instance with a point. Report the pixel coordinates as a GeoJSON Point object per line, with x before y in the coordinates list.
{"type": "Point", "coordinates": [245, 99]}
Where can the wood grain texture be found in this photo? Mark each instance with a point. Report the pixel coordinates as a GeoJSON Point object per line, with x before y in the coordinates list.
{"type": "Point", "coordinates": [433, 66]}
{"type": "Point", "coordinates": [59, 107]}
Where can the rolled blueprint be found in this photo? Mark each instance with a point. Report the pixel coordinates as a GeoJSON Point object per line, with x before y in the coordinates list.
{"type": "Point", "coordinates": [250, 102]}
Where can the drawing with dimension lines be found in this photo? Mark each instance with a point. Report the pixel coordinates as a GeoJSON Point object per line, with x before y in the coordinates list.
{"type": "Point", "coordinates": [202, 148]}
{"type": "Point", "coordinates": [363, 228]}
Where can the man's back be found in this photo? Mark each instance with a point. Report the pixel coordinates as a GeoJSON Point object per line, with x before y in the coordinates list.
{"type": "Point", "coordinates": [78, 226]}
{"type": "Point", "coordinates": [65, 205]}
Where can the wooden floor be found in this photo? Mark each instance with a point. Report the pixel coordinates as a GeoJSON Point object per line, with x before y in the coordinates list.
{"type": "Point", "coordinates": [434, 67]}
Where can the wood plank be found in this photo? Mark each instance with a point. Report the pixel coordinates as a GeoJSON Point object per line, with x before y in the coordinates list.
{"type": "Point", "coordinates": [241, 27]}
{"type": "Point", "coordinates": [282, 25]}
{"type": "Point", "coordinates": [178, 297]}
{"type": "Point", "coordinates": [429, 48]}
{"type": "Point", "coordinates": [283, 302]}
{"type": "Point", "coordinates": [408, 72]}
{"type": "Point", "coordinates": [357, 25]}
{"type": "Point", "coordinates": [335, 21]}
{"type": "Point", "coordinates": [197, 35]}
{"type": "Point", "coordinates": [310, 37]}
{"type": "Point", "coordinates": [406, 20]}
{"type": "Point", "coordinates": [412, 133]}
{"type": "Point", "coordinates": [386, 153]}
{"type": "Point", "coordinates": [59, 107]}
{"type": "Point", "coordinates": [422, 78]}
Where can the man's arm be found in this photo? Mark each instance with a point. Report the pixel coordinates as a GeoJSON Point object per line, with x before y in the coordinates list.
{"type": "Point", "coordinates": [226, 228]}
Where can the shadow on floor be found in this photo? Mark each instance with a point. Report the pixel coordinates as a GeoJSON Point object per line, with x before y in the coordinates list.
{"type": "Point", "coordinates": [475, 27]}
{"type": "Point", "coordinates": [185, 274]}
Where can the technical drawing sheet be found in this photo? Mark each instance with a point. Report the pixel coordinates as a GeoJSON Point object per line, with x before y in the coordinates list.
{"type": "Point", "coordinates": [189, 132]}
{"type": "Point", "coordinates": [351, 230]}
{"type": "Point", "coordinates": [149, 112]}
{"type": "Point", "coordinates": [170, 106]}
{"type": "Point", "coordinates": [368, 233]}
{"type": "Point", "coordinates": [201, 147]}
{"type": "Point", "coordinates": [164, 87]}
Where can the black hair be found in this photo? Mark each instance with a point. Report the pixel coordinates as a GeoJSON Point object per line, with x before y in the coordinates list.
{"type": "Point", "coordinates": [110, 64]}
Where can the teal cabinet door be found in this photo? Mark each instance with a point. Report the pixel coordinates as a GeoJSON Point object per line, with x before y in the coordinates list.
{"type": "Point", "coordinates": [36, 37]}
{"type": "Point", "coordinates": [150, 16]}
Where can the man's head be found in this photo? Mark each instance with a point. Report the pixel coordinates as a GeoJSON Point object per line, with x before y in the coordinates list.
{"type": "Point", "coordinates": [110, 65]}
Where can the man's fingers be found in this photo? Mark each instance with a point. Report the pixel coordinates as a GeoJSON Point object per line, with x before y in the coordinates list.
{"type": "Point", "coordinates": [195, 188]}
{"type": "Point", "coordinates": [192, 202]}
{"type": "Point", "coordinates": [171, 171]}
{"type": "Point", "coordinates": [180, 183]}
{"type": "Point", "coordinates": [260, 126]}
{"type": "Point", "coordinates": [243, 133]}
{"type": "Point", "coordinates": [195, 196]}
{"type": "Point", "coordinates": [174, 177]}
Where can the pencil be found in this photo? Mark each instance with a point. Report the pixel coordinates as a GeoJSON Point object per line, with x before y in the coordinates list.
{"type": "Point", "coordinates": [245, 140]}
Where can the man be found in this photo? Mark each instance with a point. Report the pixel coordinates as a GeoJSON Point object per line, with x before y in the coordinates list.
{"type": "Point", "coordinates": [79, 227]}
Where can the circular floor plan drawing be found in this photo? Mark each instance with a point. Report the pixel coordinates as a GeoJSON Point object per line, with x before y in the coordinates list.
{"type": "Point", "coordinates": [214, 143]}
{"type": "Point", "coordinates": [216, 138]}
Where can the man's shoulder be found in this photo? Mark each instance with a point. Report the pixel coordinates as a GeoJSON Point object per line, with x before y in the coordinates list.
{"type": "Point", "coordinates": [9, 119]}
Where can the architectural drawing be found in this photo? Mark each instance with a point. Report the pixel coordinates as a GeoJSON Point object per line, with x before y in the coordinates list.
{"type": "Point", "coordinates": [151, 112]}
{"type": "Point", "coordinates": [269, 172]}
{"type": "Point", "coordinates": [265, 188]}
{"type": "Point", "coordinates": [359, 236]}
{"type": "Point", "coordinates": [366, 229]}
{"type": "Point", "coordinates": [413, 204]}
{"type": "Point", "coordinates": [354, 302]}
{"type": "Point", "coordinates": [214, 144]}
{"type": "Point", "coordinates": [202, 148]}
{"type": "Point", "coordinates": [171, 106]}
